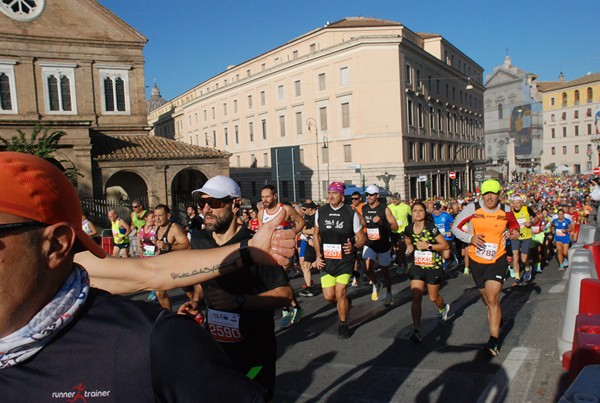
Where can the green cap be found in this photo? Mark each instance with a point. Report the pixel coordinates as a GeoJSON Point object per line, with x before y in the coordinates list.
{"type": "Point", "coordinates": [490, 185]}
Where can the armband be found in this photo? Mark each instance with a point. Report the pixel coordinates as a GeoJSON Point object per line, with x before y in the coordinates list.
{"type": "Point", "coordinates": [245, 254]}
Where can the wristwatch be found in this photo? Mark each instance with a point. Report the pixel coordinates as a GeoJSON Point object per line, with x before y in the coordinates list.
{"type": "Point", "coordinates": [430, 247]}
{"type": "Point", "coordinates": [241, 300]}
{"type": "Point", "coordinates": [245, 254]}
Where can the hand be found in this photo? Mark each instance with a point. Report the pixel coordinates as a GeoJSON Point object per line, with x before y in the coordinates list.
{"type": "Point", "coordinates": [478, 240]}
{"type": "Point", "coordinates": [221, 300]}
{"type": "Point", "coordinates": [270, 246]}
{"type": "Point", "coordinates": [189, 309]}
{"type": "Point", "coordinates": [320, 262]}
{"type": "Point", "coordinates": [514, 234]}
{"type": "Point", "coordinates": [422, 245]}
{"type": "Point", "coordinates": [348, 248]}
{"type": "Point", "coordinates": [376, 219]}
{"type": "Point", "coordinates": [410, 250]}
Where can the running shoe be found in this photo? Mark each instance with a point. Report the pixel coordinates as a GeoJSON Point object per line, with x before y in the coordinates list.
{"type": "Point", "coordinates": [561, 268]}
{"type": "Point", "coordinates": [152, 296]}
{"type": "Point", "coordinates": [388, 299]}
{"type": "Point", "coordinates": [443, 314]}
{"type": "Point", "coordinates": [538, 267]}
{"type": "Point", "coordinates": [286, 317]}
{"type": "Point", "coordinates": [455, 261]}
{"type": "Point", "coordinates": [445, 266]}
{"type": "Point", "coordinates": [527, 275]}
{"type": "Point", "coordinates": [466, 271]}
{"type": "Point", "coordinates": [518, 282]}
{"type": "Point", "coordinates": [511, 271]}
{"type": "Point", "coordinates": [297, 314]}
{"type": "Point", "coordinates": [416, 336]}
{"type": "Point", "coordinates": [355, 282]}
{"type": "Point", "coordinates": [566, 262]}
{"type": "Point", "coordinates": [343, 331]}
{"type": "Point", "coordinates": [375, 293]}
{"type": "Point", "coordinates": [492, 348]}
{"type": "Point", "coordinates": [306, 292]}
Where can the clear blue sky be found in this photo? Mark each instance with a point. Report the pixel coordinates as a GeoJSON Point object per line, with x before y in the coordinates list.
{"type": "Point", "coordinates": [191, 41]}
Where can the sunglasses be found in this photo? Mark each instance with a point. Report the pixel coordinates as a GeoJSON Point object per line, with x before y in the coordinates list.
{"type": "Point", "coordinates": [356, 198]}
{"type": "Point", "coordinates": [213, 203]}
{"type": "Point", "coordinates": [372, 194]}
{"type": "Point", "coordinates": [136, 206]}
{"type": "Point", "coordinates": [19, 225]}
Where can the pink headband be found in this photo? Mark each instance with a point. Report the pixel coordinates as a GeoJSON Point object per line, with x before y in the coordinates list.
{"type": "Point", "coordinates": [336, 187]}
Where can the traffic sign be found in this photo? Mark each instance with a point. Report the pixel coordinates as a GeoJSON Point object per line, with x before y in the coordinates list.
{"type": "Point", "coordinates": [452, 175]}
{"type": "Point", "coordinates": [597, 171]}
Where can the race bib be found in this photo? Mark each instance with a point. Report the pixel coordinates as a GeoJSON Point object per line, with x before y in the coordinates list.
{"type": "Point", "coordinates": [424, 258]}
{"type": "Point", "coordinates": [373, 234]}
{"type": "Point", "coordinates": [487, 252]}
{"type": "Point", "coordinates": [149, 250]}
{"type": "Point", "coordinates": [441, 228]}
{"type": "Point", "coordinates": [521, 221]}
{"type": "Point", "coordinates": [536, 229]}
{"type": "Point", "coordinates": [224, 326]}
{"type": "Point", "coordinates": [332, 251]}
{"type": "Point", "coordinates": [560, 232]}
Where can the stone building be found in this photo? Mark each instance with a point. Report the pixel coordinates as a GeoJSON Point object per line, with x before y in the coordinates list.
{"type": "Point", "coordinates": [361, 100]}
{"type": "Point", "coordinates": [75, 66]}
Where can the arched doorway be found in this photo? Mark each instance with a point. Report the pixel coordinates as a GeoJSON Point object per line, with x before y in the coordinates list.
{"type": "Point", "coordinates": [186, 181]}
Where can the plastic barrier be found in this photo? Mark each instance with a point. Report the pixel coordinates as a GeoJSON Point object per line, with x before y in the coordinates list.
{"type": "Point", "coordinates": [589, 301]}
{"type": "Point", "coordinates": [586, 344]}
{"type": "Point", "coordinates": [585, 388]}
{"type": "Point", "coordinates": [107, 241]}
{"type": "Point", "coordinates": [580, 268]}
{"type": "Point", "coordinates": [588, 233]}
{"type": "Point", "coordinates": [574, 247]}
{"type": "Point", "coordinates": [595, 249]}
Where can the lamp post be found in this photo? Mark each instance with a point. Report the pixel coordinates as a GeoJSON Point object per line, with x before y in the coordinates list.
{"type": "Point", "coordinates": [310, 122]}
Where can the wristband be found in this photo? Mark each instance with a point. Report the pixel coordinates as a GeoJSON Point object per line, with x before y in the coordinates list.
{"type": "Point", "coordinates": [245, 254]}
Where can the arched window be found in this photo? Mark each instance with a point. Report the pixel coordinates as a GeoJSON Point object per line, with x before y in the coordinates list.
{"type": "Point", "coordinates": [590, 95]}
{"type": "Point", "coordinates": [576, 97]}
{"type": "Point", "coordinates": [59, 89]}
{"type": "Point", "coordinates": [564, 99]}
{"type": "Point", "coordinates": [115, 90]}
{"type": "Point", "coordinates": [500, 112]}
{"type": "Point", "coordinates": [5, 98]}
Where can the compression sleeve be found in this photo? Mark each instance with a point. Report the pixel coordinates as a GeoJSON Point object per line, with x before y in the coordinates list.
{"type": "Point", "coordinates": [356, 225]}
{"type": "Point", "coordinates": [187, 365]}
{"type": "Point", "coordinates": [461, 220]}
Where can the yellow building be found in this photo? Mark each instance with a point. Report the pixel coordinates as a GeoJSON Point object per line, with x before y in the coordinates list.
{"type": "Point", "coordinates": [572, 124]}
{"type": "Point", "coordinates": [365, 100]}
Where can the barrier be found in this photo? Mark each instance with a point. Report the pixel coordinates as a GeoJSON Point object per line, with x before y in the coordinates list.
{"type": "Point", "coordinates": [580, 268]}
{"type": "Point", "coordinates": [589, 301]}
{"type": "Point", "coordinates": [588, 233]}
{"type": "Point", "coordinates": [585, 388]}
{"type": "Point", "coordinates": [107, 241]}
{"type": "Point", "coordinates": [574, 247]}
{"type": "Point", "coordinates": [586, 344]}
{"type": "Point", "coordinates": [595, 249]}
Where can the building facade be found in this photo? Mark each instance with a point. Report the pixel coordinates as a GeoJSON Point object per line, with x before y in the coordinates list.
{"type": "Point", "coordinates": [76, 67]}
{"type": "Point", "coordinates": [572, 124]}
{"type": "Point", "coordinates": [361, 100]}
{"type": "Point", "coordinates": [513, 110]}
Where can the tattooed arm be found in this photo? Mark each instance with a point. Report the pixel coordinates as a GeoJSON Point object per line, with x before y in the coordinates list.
{"type": "Point", "coordinates": [187, 267]}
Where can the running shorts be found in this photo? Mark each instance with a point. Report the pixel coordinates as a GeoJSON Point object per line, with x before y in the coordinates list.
{"type": "Point", "coordinates": [384, 259]}
{"type": "Point", "coordinates": [483, 272]}
{"type": "Point", "coordinates": [327, 280]}
{"type": "Point", "coordinates": [429, 276]}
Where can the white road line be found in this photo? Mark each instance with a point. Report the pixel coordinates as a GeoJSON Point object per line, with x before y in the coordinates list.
{"type": "Point", "coordinates": [497, 389]}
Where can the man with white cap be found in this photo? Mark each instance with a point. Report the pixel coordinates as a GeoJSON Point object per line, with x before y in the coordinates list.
{"type": "Point", "coordinates": [379, 223]}
{"type": "Point", "coordinates": [247, 298]}
{"type": "Point", "coordinates": [60, 338]}
{"type": "Point", "coordinates": [488, 222]}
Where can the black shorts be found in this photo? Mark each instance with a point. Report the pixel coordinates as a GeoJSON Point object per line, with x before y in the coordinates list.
{"type": "Point", "coordinates": [483, 272]}
{"type": "Point", "coordinates": [429, 276]}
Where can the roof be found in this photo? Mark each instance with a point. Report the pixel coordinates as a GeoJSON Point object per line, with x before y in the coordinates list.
{"type": "Point", "coordinates": [557, 85]}
{"type": "Point", "coordinates": [357, 22]}
{"type": "Point", "coordinates": [155, 100]}
{"type": "Point", "coordinates": [146, 147]}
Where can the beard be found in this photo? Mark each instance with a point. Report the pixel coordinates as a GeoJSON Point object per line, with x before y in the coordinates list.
{"type": "Point", "coordinates": [221, 224]}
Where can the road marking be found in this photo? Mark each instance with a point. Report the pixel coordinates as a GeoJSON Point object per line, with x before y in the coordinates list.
{"type": "Point", "coordinates": [497, 389]}
{"type": "Point", "coordinates": [557, 289]}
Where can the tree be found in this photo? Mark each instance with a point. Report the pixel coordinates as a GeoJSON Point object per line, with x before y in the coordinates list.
{"type": "Point", "coordinates": [551, 167]}
{"type": "Point", "coordinates": [44, 146]}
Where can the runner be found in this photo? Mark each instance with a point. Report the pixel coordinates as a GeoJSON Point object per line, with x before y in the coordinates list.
{"type": "Point", "coordinates": [379, 223]}
{"type": "Point", "coordinates": [293, 220]}
{"type": "Point", "coordinates": [526, 217]}
{"type": "Point", "coordinates": [86, 225]}
{"type": "Point", "coordinates": [443, 221]}
{"type": "Point", "coordinates": [241, 304]}
{"type": "Point", "coordinates": [338, 233]}
{"type": "Point", "coordinates": [425, 242]}
{"type": "Point", "coordinates": [120, 232]}
{"type": "Point", "coordinates": [488, 221]}
{"type": "Point", "coordinates": [357, 205]}
{"type": "Point", "coordinates": [401, 212]}
{"type": "Point", "coordinates": [561, 228]}
{"type": "Point", "coordinates": [308, 254]}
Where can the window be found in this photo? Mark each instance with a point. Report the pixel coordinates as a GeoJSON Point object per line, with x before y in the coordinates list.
{"type": "Point", "coordinates": [345, 115]}
{"type": "Point", "coordinates": [265, 160]}
{"type": "Point", "coordinates": [282, 126]}
{"type": "Point", "coordinates": [588, 112]}
{"type": "Point", "coordinates": [408, 74]}
{"type": "Point", "coordinates": [280, 93]}
{"type": "Point", "coordinates": [59, 88]}
{"type": "Point", "coordinates": [8, 93]}
{"type": "Point", "coordinates": [298, 122]}
{"type": "Point", "coordinates": [409, 112]}
{"type": "Point", "coordinates": [576, 149]}
{"type": "Point", "coordinates": [325, 155]}
{"type": "Point", "coordinates": [323, 117]}
{"type": "Point", "coordinates": [500, 112]}
{"type": "Point", "coordinates": [252, 161]}
{"type": "Point", "coordinates": [576, 114]}
{"type": "Point", "coordinates": [214, 137]}
{"type": "Point", "coordinates": [576, 98]}
{"type": "Point", "coordinates": [237, 134]}
{"type": "Point", "coordinates": [205, 115]}
{"type": "Point", "coordinates": [411, 151]}
{"type": "Point", "coordinates": [590, 95]}
{"type": "Point", "coordinates": [564, 131]}
{"type": "Point", "coordinates": [238, 161]}
{"type": "Point", "coordinates": [235, 106]}
{"type": "Point", "coordinates": [313, 47]}
{"type": "Point", "coordinates": [419, 79]}
{"type": "Point", "coordinates": [226, 136]}
{"type": "Point", "coordinates": [432, 152]}
{"type": "Point", "coordinates": [322, 82]}
{"type": "Point", "coordinates": [552, 101]}
{"type": "Point", "coordinates": [421, 152]}
{"type": "Point", "coordinates": [22, 10]}
{"type": "Point", "coordinates": [344, 77]}
{"type": "Point", "coordinates": [263, 124]}
{"type": "Point", "coordinates": [564, 99]}
{"type": "Point", "coordinates": [115, 90]}
{"type": "Point", "coordinates": [552, 118]}
{"type": "Point", "coordinates": [224, 109]}
{"type": "Point", "coordinates": [249, 101]}
{"type": "Point", "coordinates": [564, 150]}
{"type": "Point", "coordinates": [589, 129]}
{"type": "Point", "coordinates": [263, 98]}
{"type": "Point", "coordinates": [553, 150]}
{"type": "Point", "coordinates": [213, 113]}
{"type": "Point", "coordinates": [420, 114]}
{"type": "Point", "coordinates": [297, 88]}
{"type": "Point", "coordinates": [251, 130]}
{"type": "Point", "coordinates": [576, 130]}
{"type": "Point", "coordinates": [431, 118]}
{"type": "Point", "coordinates": [553, 131]}
{"type": "Point", "coordinates": [294, 54]}
{"type": "Point", "coordinates": [347, 153]}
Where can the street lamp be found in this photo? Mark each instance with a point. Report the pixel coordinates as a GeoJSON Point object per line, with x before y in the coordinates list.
{"type": "Point", "coordinates": [310, 122]}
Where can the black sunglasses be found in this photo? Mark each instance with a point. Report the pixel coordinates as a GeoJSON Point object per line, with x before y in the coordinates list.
{"type": "Point", "coordinates": [356, 198]}
{"type": "Point", "coordinates": [213, 203]}
{"type": "Point", "coordinates": [372, 194]}
{"type": "Point", "coordinates": [19, 225]}
{"type": "Point", "coordinates": [136, 206]}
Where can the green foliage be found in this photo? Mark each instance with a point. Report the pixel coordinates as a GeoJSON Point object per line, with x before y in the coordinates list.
{"type": "Point", "coordinates": [551, 167]}
{"type": "Point", "coordinates": [42, 144]}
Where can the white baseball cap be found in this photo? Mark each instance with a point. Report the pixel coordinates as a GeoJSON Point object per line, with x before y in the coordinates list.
{"type": "Point", "coordinates": [220, 187]}
{"type": "Point", "coordinates": [372, 189]}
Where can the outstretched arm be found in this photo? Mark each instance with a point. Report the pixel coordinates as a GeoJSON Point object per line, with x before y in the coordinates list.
{"type": "Point", "coordinates": [188, 267]}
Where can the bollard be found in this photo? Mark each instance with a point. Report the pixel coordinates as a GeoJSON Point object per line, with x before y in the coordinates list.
{"type": "Point", "coordinates": [586, 344]}
{"type": "Point", "coordinates": [107, 241]}
{"type": "Point", "coordinates": [589, 301]}
{"type": "Point", "coordinates": [595, 249]}
{"type": "Point", "coordinates": [580, 268]}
